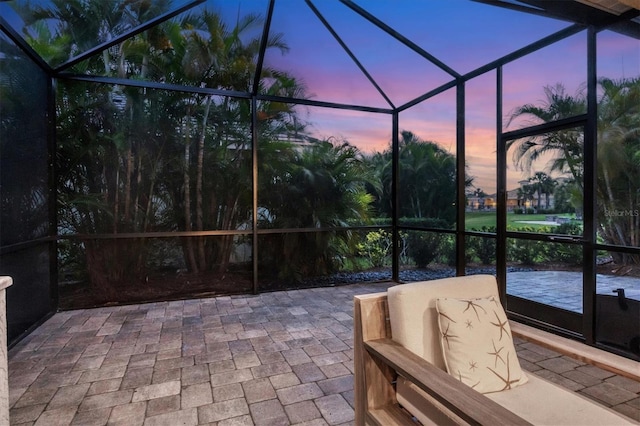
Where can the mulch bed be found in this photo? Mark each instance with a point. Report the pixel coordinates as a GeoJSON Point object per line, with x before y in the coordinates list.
{"type": "Point", "coordinates": [164, 286]}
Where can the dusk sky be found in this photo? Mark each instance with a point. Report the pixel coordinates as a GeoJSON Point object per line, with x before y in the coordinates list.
{"type": "Point", "coordinates": [461, 33]}
{"type": "Point", "coordinates": [464, 35]}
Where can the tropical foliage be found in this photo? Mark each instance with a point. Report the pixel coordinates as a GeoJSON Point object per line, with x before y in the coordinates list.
{"type": "Point", "coordinates": [619, 163]}
{"type": "Point", "coordinates": [618, 150]}
{"type": "Point", "coordinates": [322, 186]}
{"type": "Point", "coordinates": [427, 182]}
{"type": "Point", "coordinates": [135, 160]}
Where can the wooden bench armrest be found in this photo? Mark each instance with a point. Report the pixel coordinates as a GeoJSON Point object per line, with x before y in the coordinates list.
{"type": "Point", "coordinates": [472, 407]}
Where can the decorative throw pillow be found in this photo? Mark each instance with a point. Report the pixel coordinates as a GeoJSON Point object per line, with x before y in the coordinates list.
{"type": "Point", "coordinates": [477, 344]}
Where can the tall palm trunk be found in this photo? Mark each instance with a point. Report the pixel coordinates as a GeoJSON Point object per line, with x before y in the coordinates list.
{"type": "Point", "coordinates": [202, 258]}
{"type": "Point", "coordinates": [191, 257]}
{"type": "Point", "coordinates": [116, 196]}
{"type": "Point", "coordinates": [227, 240]}
{"type": "Point", "coordinates": [127, 185]}
{"type": "Point", "coordinates": [136, 201]}
{"type": "Point", "coordinates": [154, 175]}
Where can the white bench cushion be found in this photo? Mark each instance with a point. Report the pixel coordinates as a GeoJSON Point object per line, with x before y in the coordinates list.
{"type": "Point", "coordinates": [538, 401]}
{"type": "Point", "coordinates": [544, 403]}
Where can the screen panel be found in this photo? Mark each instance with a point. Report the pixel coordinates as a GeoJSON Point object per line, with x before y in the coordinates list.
{"type": "Point", "coordinates": [94, 272]}
{"type": "Point", "coordinates": [30, 298]}
{"type": "Point", "coordinates": [24, 148]}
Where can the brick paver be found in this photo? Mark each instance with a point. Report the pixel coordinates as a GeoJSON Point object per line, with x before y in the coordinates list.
{"type": "Point", "coordinates": [269, 413]}
{"type": "Point", "coordinates": [275, 358]}
{"type": "Point", "coordinates": [196, 395]}
{"type": "Point", "coordinates": [222, 410]}
{"type": "Point", "coordinates": [335, 409]}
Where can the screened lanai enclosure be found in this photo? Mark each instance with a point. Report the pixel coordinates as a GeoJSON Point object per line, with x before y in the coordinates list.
{"type": "Point", "coordinates": [173, 149]}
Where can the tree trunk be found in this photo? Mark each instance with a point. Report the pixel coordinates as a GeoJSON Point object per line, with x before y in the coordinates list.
{"type": "Point", "coordinates": [127, 185]}
{"type": "Point", "coordinates": [227, 240]}
{"type": "Point", "coordinates": [191, 257]}
{"type": "Point", "coordinates": [136, 201]}
{"type": "Point", "coordinates": [199, 184]}
{"type": "Point", "coordinates": [154, 175]}
{"type": "Point", "coordinates": [116, 197]}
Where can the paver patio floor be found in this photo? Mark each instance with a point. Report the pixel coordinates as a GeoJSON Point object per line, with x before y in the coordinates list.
{"type": "Point", "coordinates": [563, 289]}
{"type": "Point", "coordinates": [271, 359]}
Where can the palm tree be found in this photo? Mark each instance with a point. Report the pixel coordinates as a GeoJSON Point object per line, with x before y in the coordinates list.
{"type": "Point", "coordinates": [564, 146]}
{"type": "Point", "coordinates": [380, 187]}
{"type": "Point", "coordinates": [542, 183]}
{"type": "Point", "coordinates": [219, 56]}
{"type": "Point", "coordinates": [81, 25]}
{"type": "Point", "coordinates": [480, 194]}
{"type": "Point", "coordinates": [318, 186]}
{"type": "Point", "coordinates": [618, 151]}
{"type": "Point", "coordinates": [427, 179]}
{"type": "Point", "coordinates": [526, 193]}
{"type": "Point", "coordinates": [548, 188]}
{"type": "Point", "coordinates": [618, 182]}
{"type": "Point", "coordinates": [109, 144]}
{"type": "Point", "coordinates": [126, 171]}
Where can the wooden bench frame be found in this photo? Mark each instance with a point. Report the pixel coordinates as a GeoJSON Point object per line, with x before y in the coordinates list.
{"type": "Point", "coordinates": [378, 361]}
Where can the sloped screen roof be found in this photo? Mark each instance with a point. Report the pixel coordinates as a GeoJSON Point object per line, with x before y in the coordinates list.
{"type": "Point", "coordinates": [375, 54]}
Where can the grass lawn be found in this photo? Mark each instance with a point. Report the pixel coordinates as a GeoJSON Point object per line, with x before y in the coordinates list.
{"type": "Point", "coordinates": [476, 220]}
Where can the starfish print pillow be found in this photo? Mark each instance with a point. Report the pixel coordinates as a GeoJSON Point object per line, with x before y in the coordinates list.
{"type": "Point", "coordinates": [477, 344]}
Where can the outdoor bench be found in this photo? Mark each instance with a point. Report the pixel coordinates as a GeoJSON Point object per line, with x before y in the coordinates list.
{"type": "Point", "coordinates": [401, 377]}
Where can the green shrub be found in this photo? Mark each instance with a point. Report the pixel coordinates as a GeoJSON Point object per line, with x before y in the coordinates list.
{"type": "Point", "coordinates": [424, 247]}
{"type": "Point", "coordinates": [448, 250]}
{"type": "Point", "coordinates": [484, 248]}
{"type": "Point", "coordinates": [376, 247]}
{"type": "Point", "coordinates": [527, 252]}
{"type": "Point", "coordinates": [569, 228]}
{"type": "Point", "coordinates": [564, 253]}
{"type": "Point", "coordinates": [426, 222]}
